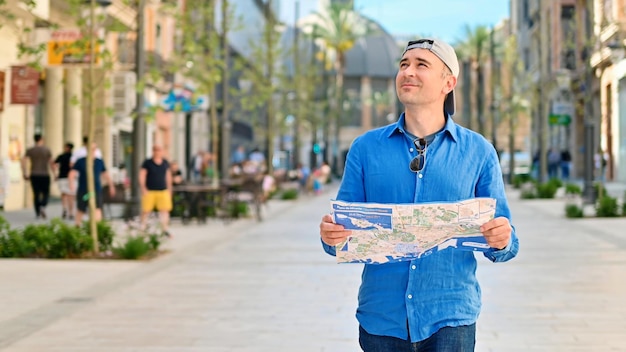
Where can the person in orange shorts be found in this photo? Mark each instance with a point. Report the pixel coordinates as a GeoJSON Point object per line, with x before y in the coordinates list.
{"type": "Point", "coordinates": [155, 180]}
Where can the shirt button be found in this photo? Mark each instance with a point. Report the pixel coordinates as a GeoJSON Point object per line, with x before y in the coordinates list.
{"type": "Point", "coordinates": [410, 296]}
{"type": "Point", "coordinates": [411, 150]}
{"type": "Point", "coordinates": [413, 267]}
{"type": "Point", "coordinates": [420, 176]}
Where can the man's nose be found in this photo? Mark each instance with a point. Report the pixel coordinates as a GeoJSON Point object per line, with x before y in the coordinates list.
{"type": "Point", "coordinates": [410, 71]}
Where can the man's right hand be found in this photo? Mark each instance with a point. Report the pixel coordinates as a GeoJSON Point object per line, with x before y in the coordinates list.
{"type": "Point", "coordinates": [331, 233]}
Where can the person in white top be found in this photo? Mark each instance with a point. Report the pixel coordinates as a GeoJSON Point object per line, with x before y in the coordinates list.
{"type": "Point", "coordinates": [82, 152]}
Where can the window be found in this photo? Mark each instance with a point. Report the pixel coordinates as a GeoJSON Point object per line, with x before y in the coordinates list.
{"type": "Point", "coordinates": [568, 37]}
{"type": "Point", "coordinates": [607, 11]}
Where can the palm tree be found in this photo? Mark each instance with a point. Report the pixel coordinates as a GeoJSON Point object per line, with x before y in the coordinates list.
{"type": "Point", "coordinates": [515, 96]}
{"type": "Point", "coordinates": [339, 27]}
{"type": "Point", "coordinates": [474, 48]}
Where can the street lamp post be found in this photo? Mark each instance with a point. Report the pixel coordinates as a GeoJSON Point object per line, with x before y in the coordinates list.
{"type": "Point", "coordinates": [139, 124]}
{"type": "Point", "coordinates": [589, 192]}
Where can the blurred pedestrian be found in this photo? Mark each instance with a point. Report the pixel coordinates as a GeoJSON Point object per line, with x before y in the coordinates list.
{"type": "Point", "coordinates": [303, 173]}
{"type": "Point", "coordinates": [177, 175]}
{"type": "Point", "coordinates": [209, 167]}
{"type": "Point", "coordinates": [195, 165]}
{"type": "Point", "coordinates": [81, 152]}
{"type": "Point", "coordinates": [239, 155]}
{"type": "Point", "coordinates": [79, 171]}
{"type": "Point", "coordinates": [431, 303]}
{"type": "Point", "coordinates": [4, 181]}
{"type": "Point", "coordinates": [121, 177]}
{"type": "Point", "coordinates": [320, 177]}
{"type": "Point", "coordinates": [600, 161]}
{"type": "Point", "coordinates": [39, 174]}
{"type": "Point", "coordinates": [62, 171]}
{"type": "Point", "coordinates": [554, 160]}
{"type": "Point", "coordinates": [155, 180]}
{"type": "Point", "coordinates": [257, 158]}
{"type": "Point", "coordinates": [566, 164]}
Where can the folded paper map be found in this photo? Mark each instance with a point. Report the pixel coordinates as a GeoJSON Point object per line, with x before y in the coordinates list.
{"type": "Point", "coordinates": [387, 233]}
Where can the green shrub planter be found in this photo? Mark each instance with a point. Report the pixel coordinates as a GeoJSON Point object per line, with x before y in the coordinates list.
{"type": "Point", "coordinates": [238, 209]}
{"type": "Point", "coordinates": [138, 247]}
{"type": "Point", "coordinates": [528, 194]}
{"type": "Point", "coordinates": [60, 240]}
{"type": "Point", "coordinates": [519, 180]}
{"type": "Point", "coordinates": [290, 194]}
{"type": "Point", "coordinates": [573, 189]}
{"type": "Point", "coordinates": [606, 207]}
{"type": "Point", "coordinates": [547, 190]}
{"type": "Point", "coordinates": [573, 211]}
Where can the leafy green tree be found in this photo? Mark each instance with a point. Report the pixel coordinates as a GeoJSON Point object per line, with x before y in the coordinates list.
{"type": "Point", "coordinates": [267, 77]}
{"type": "Point", "coordinates": [201, 58]}
{"type": "Point", "coordinates": [339, 27]}
{"type": "Point", "coordinates": [99, 65]}
{"type": "Point", "coordinates": [31, 54]}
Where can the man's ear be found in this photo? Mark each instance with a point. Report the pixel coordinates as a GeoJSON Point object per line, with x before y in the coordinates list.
{"type": "Point", "coordinates": [450, 83]}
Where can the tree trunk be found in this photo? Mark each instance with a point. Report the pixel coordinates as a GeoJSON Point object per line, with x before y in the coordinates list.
{"type": "Point", "coordinates": [270, 72]}
{"type": "Point", "coordinates": [226, 127]}
{"type": "Point", "coordinates": [214, 116]}
{"type": "Point", "coordinates": [340, 67]}
{"type": "Point", "coordinates": [467, 89]}
{"type": "Point", "coordinates": [296, 78]}
{"type": "Point", "coordinates": [91, 187]}
{"type": "Point", "coordinates": [326, 117]}
{"type": "Point", "coordinates": [480, 99]}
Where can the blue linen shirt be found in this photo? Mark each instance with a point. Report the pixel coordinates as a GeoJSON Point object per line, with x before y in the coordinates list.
{"type": "Point", "coordinates": [441, 289]}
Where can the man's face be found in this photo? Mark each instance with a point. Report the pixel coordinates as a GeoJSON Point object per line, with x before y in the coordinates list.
{"type": "Point", "coordinates": [157, 151]}
{"type": "Point", "coordinates": [422, 78]}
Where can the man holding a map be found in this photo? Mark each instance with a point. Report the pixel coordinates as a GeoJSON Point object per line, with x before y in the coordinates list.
{"type": "Point", "coordinates": [417, 199]}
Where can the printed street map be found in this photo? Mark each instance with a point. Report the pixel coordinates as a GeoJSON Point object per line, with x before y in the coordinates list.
{"type": "Point", "coordinates": [387, 233]}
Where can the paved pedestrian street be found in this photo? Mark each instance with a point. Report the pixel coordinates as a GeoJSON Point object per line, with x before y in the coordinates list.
{"type": "Point", "coordinates": [268, 286]}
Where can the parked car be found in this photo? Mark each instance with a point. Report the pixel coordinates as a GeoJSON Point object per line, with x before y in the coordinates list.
{"type": "Point", "coordinates": [523, 163]}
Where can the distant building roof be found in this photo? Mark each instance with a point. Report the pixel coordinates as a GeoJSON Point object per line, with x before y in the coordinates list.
{"type": "Point", "coordinates": [375, 55]}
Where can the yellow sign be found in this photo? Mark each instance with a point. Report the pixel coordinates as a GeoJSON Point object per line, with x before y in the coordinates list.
{"type": "Point", "coordinates": [67, 47]}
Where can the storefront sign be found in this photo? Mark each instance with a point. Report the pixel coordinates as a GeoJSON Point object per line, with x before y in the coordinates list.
{"type": "Point", "coordinates": [2, 76]}
{"type": "Point", "coordinates": [24, 85]}
{"type": "Point", "coordinates": [67, 46]}
{"type": "Point", "coordinates": [561, 113]}
{"type": "Point", "coordinates": [563, 120]}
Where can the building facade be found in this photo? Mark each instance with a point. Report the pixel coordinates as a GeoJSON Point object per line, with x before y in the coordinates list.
{"type": "Point", "coordinates": [61, 113]}
{"type": "Point", "coordinates": [607, 61]}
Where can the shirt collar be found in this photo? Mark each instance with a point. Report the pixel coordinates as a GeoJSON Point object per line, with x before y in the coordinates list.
{"type": "Point", "coordinates": [450, 128]}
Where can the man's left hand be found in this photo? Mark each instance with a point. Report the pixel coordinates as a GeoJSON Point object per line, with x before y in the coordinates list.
{"type": "Point", "coordinates": [497, 232]}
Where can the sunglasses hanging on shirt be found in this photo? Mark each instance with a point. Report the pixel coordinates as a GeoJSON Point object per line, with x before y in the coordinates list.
{"type": "Point", "coordinates": [417, 164]}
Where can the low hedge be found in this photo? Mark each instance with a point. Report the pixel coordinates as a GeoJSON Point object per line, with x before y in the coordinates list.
{"type": "Point", "coordinates": [60, 240]}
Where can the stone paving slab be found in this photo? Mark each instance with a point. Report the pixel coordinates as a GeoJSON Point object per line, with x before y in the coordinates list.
{"type": "Point", "coordinates": [564, 291]}
{"type": "Point", "coordinates": [268, 286]}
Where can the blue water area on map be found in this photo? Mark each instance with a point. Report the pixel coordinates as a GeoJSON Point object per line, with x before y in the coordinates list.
{"type": "Point", "coordinates": [377, 220]}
